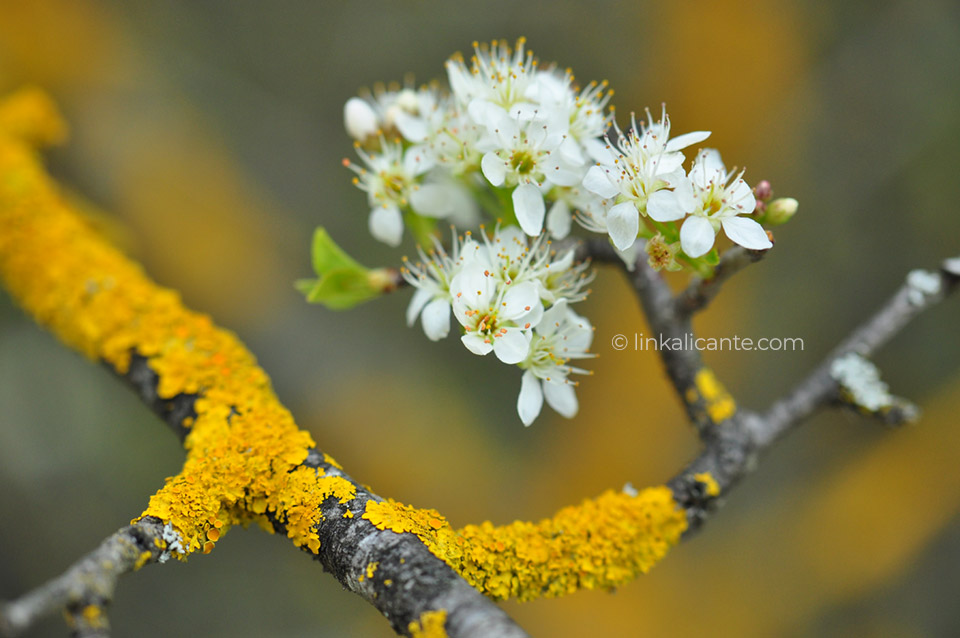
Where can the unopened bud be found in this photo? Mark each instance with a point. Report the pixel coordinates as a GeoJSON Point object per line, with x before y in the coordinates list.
{"type": "Point", "coordinates": [359, 119]}
{"type": "Point", "coordinates": [763, 191]}
{"type": "Point", "coordinates": [780, 210]}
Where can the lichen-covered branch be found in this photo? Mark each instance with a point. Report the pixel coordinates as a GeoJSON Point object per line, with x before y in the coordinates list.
{"type": "Point", "coordinates": [921, 290]}
{"type": "Point", "coordinates": [85, 590]}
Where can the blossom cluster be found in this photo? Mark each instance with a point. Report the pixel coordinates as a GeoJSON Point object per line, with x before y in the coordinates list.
{"type": "Point", "coordinates": [511, 296]}
{"type": "Point", "coordinates": [525, 145]}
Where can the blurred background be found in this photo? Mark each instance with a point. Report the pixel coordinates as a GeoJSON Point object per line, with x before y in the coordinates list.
{"type": "Point", "coordinates": [212, 134]}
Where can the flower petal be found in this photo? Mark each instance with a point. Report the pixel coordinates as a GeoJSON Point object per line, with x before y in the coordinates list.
{"type": "Point", "coordinates": [411, 127]}
{"type": "Point", "coordinates": [386, 225]}
{"type": "Point", "coordinates": [433, 200]}
{"type": "Point", "coordinates": [559, 219]}
{"type": "Point", "coordinates": [696, 236]}
{"type": "Point", "coordinates": [687, 139]}
{"type": "Point", "coordinates": [512, 346]}
{"type": "Point", "coordinates": [436, 319]}
{"type": "Point", "coordinates": [417, 302]}
{"type": "Point", "coordinates": [477, 344]}
{"type": "Point", "coordinates": [493, 168]}
{"type": "Point", "coordinates": [530, 401]}
{"type": "Point", "coordinates": [552, 317]}
{"type": "Point", "coordinates": [623, 224]}
{"type": "Point", "coordinates": [708, 168]}
{"type": "Point", "coordinates": [664, 206]}
{"type": "Point", "coordinates": [746, 232]}
{"type": "Point", "coordinates": [597, 181]}
{"type": "Point", "coordinates": [529, 207]}
{"type": "Point", "coordinates": [519, 300]}
{"type": "Point", "coordinates": [561, 397]}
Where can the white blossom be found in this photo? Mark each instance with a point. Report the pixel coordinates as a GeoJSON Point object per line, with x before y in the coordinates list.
{"type": "Point", "coordinates": [561, 336]}
{"type": "Point", "coordinates": [390, 178]}
{"type": "Point", "coordinates": [496, 316]}
{"type": "Point", "coordinates": [640, 163]}
{"type": "Point", "coordinates": [710, 198]}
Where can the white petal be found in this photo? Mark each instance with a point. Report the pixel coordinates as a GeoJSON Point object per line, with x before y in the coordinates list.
{"type": "Point", "coordinates": [359, 118]}
{"type": "Point", "coordinates": [418, 160]}
{"type": "Point", "coordinates": [696, 236]}
{"type": "Point", "coordinates": [512, 346]}
{"type": "Point", "coordinates": [530, 401]}
{"type": "Point", "coordinates": [707, 168]}
{"type": "Point", "coordinates": [552, 318]}
{"type": "Point", "coordinates": [687, 139]}
{"type": "Point", "coordinates": [598, 150]}
{"type": "Point", "coordinates": [740, 198]}
{"type": "Point", "coordinates": [559, 219]}
{"type": "Point", "coordinates": [386, 225]}
{"type": "Point", "coordinates": [519, 300]}
{"type": "Point", "coordinates": [623, 224]}
{"type": "Point", "coordinates": [597, 181]}
{"type": "Point", "coordinates": [746, 232]}
{"type": "Point", "coordinates": [562, 174]}
{"type": "Point", "coordinates": [664, 206]}
{"type": "Point", "coordinates": [433, 200]}
{"type": "Point", "coordinates": [476, 344]}
{"type": "Point", "coordinates": [412, 128]}
{"type": "Point", "coordinates": [436, 319]}
{"type": "Point", "coordinates": [529, 207]}
{"type": "Point", "coordinates": [561, 397]}
{"type": "Point", "coordinates": [417, 302]}
{"type": "Point", "coordinates": [493, 169]}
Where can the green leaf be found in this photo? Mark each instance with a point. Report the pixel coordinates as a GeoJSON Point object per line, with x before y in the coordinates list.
{"type": "Point", "coordinates": [341, 289]}
{"type": "Point", "coordinates": [342, 282]}
{"type": "Point", "coordinates": [328, 256]}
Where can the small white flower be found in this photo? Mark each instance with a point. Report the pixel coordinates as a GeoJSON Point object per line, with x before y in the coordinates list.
{"type": "Point", "coordinates": [512, 259]}
{"type": "Point", "coordinates": [561, 336]}
{"type": "Point", "coordinates": [431, 277]}
{"type": "Point", "coordinates": [496, 80]}
{"type": "Point", "coordinates": [496, 315]}
{"type": "Point", "coordinates": [641, 162]}
{"type": "Point", "coordinates": [584, 110]}
{"type": "Point", "coordinates": [390, 179]}
{"type": "Point", "coordinates": [524, 154]}
{"type": "Point", "coordinates": [713, 199]}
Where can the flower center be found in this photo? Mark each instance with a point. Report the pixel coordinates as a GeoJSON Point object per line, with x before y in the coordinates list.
{"type": "Point", "coordinates": [522, 162]}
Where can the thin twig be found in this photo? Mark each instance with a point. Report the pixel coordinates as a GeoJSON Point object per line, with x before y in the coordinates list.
{"type": "Point", "coordinates": [732, 450]}
{"type": "Point", "coordinates": [86, 589]}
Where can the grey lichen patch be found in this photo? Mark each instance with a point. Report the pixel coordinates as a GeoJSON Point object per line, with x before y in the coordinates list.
{"type": "Point", "coordinates": [922, 284]}
{"type": "Point", "coordinates": [174, 543]}
{"type": "Point", "coordinates": [861, 387]}
{"type": "Point", "coordinates": [860, 381]}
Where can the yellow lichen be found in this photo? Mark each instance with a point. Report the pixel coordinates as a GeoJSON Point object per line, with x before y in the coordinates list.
{"type": "Point", "coordinates": [720, 405]}
{"type": "Point", "coordinates": [710, 484]}
{"type": "Point", "coordinates": [244, 450]}
{"type": "Point", "coordinates": [142, 560]}
{"type": "Point", "coordinates": [601, 543]}
{"type": "Point", "coordinates": [93, 615]}
{"type": "Point", "coordinates": [430, 625]}
{"type": "Point", "coordinates": [372, 569]}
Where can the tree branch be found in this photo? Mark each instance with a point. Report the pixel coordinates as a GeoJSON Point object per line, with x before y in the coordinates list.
{"type": "Point", "coordinates": [732, 450]}
{"type": "Point", "coordinates": [86, 589]}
